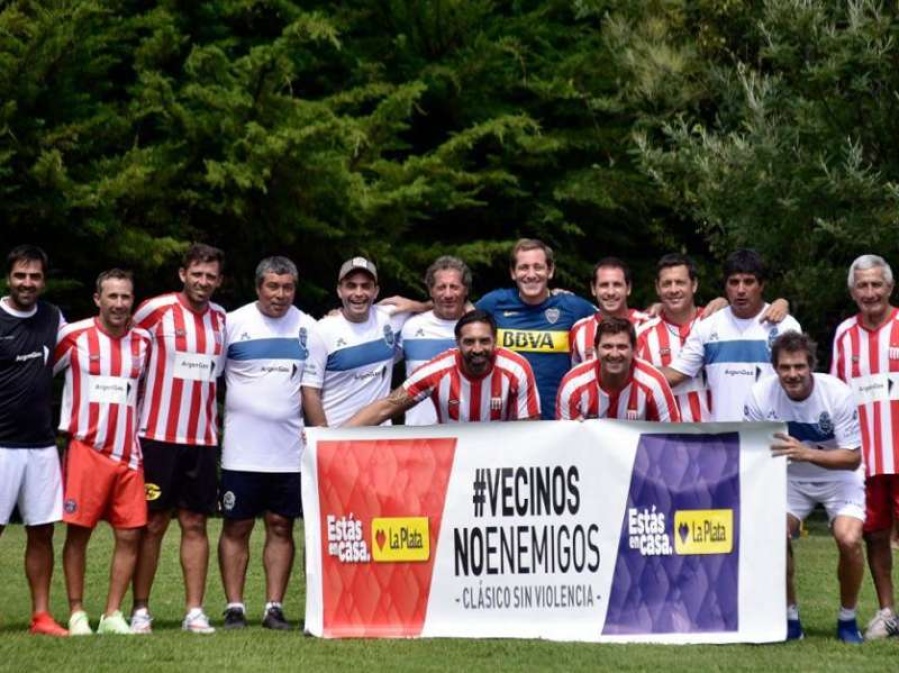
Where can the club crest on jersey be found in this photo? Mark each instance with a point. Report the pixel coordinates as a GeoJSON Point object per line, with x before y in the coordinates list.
{"type": "Point", "coordinates": [631, 414]}
{"type": "Point", "coordinates": [825, 423]}
{"type": "Point", "coordinates": [496, 403]}
{"type": "Point", "coordinates": [664, 351]}
{"type": "Point", "coordinates": [304, 337]}
{"type": "Point", "coordinates": [552, 315]}
{"type": "Point", "coordinates": [180, 332]}
{"type": "Point", "coordinates": [420, 332]}
{"type": "Point", "coordinates": [388, 336]}
{"type": "Point", "coordinates": [894, 353]}
{"type": "Point", "coordinates": [772, 335]}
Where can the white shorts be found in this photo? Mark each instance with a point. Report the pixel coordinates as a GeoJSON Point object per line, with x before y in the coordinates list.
{"type": "Point", "coordinates": [31, 479]}
{"type": "Point", "coordinates": [844, 497]}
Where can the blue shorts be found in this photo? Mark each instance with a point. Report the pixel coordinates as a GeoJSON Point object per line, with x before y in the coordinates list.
{"type": "Point", "coordinates": [246, 495]}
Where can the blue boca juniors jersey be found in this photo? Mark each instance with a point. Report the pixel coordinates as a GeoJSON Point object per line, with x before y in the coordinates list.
{"type": "Point", "coordinates": [539, 333]}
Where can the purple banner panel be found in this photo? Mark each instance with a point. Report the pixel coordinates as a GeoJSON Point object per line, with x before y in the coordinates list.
{"type": "Point", "coordinates": [678, 558]}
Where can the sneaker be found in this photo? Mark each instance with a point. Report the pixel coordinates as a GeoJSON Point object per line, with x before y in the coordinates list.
{"type": "Point", "coordinates": [794, 630]}
{"type": "Point", "coordinates": [235, 618]}
{"type": "Point", "coordinates": [79, 624]}
{"type": "Point", "coordinates": [141, 622]}
{"type": "Point", "coordinates": [114, 623]}
{"type": "Point", "coordinates": [847, 631]}
{"type": "Point", "coordinates": [274, 619]}
{"type": "Point", "coordinates": [196, 621]}
{"type": "Point", "coordinates": [42, 624]}
{"type": "Point", "coordinates": [883, 625]}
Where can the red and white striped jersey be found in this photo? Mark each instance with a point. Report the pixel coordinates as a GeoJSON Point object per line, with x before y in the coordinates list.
{"type": "Point", "coordinates": [508, 392]}
{"type": "Point", "coordinates": [99, 400]}
{"type": "Point", "coordinates": [583, 334]}
{"type": "Point", "coordinates": [187, 357]}
{"type": "Point", "coordinates": [646, 396]}
{"type": "Point", "coordinates": [868, 360]}
{"type": "Point", "coordinates": [659, 342]}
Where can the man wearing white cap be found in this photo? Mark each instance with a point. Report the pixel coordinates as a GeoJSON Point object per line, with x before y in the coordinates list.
{"type": "Point", "coordinates": [351, 365]}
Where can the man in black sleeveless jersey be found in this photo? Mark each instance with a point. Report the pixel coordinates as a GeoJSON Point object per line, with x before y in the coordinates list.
{"type": "Point", "coordinates": [29, 461]}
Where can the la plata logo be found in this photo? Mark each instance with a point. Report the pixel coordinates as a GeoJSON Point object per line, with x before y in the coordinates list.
{"type": "Point", "coordinates": [153, 492]}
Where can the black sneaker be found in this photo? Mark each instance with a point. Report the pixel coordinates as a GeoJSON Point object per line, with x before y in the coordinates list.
{"type": "Point", "coordinates": [274, 619]}
{"type": "Point", "coordinates": [235, 618]}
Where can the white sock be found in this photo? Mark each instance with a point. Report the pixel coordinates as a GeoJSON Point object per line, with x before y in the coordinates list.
{"type": "Point", "coordinates": [846, 614]}
{"type": "Point", "coordinates": [237, 606]}
{"type": "Point", "coordinates": [793, 611]}
{"type": "Point", "coordinates": [272, 604]}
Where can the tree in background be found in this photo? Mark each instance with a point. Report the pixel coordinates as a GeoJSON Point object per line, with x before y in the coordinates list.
{"type": "Point", "coordinates": [397, 129]}
{"type": "Point", "coordinates": [786, 139]}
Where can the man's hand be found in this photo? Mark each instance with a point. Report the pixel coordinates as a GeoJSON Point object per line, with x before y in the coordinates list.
{"type": "Point", "coordinates": [714, 306]}
{"type": "Point", "coordinates": [792, 448]}
{"type": "Point", "coordinates": [776, 311]}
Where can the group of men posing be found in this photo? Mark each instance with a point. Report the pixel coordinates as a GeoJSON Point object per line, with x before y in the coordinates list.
{"type": "Point", "coordinates": [139, 404]}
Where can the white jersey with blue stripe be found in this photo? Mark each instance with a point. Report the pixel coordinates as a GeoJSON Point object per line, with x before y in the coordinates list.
{"type": "Point", "coordinates": [827, 419]}
{"type": "Point", "coordinates": [424, 337]}
{"type": "Point", "coordinates": [266, 360]}
{"type": "Point", "coordinates": [736, 352]}
{"type": "Point", "coordinates": [353, 366]}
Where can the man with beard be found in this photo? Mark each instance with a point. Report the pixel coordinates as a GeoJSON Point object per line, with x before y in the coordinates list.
{"type": "Point", "coordinates": [179, 429]}
{"type": "Point", "coordinates": [30, 475]}
{"type": "Point", "coordinates": [475, 382]}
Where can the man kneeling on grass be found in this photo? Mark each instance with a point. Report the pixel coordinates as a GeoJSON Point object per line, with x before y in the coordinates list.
{"type": "Point", "coordinates": [822, 447]}
{"type": "Point", "coordinates": [104, 359]}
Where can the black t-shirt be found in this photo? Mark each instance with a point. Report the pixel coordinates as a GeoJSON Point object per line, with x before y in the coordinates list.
{"type": "Point", "coordinates": [26, 377]}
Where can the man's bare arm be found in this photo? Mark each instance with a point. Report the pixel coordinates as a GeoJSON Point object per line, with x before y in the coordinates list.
{"type": "Point", "coordinates": [380, 410]}
{"type": "Point", "coordinates": [832, 459]}
{"type": "Point", "coordinates": [673, 376]}
{"type": "Point", "coordinates": [312, 407]}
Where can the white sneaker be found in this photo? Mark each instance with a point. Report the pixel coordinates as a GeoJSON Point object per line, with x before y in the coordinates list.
{"type": "Point", "coordinates": [196, 621]}
{"type": "Point", "coordinates": [141, 622]}
{"type": "Point", "coordinates": [79, 624]}
{"type": "Point", "coordinates": [883, 625]}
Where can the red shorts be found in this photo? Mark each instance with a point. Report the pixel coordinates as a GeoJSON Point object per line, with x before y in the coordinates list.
{"type": "Point", "coordinates": [97, 487]}
{"type": "Point", "coordinates": [882, 502]}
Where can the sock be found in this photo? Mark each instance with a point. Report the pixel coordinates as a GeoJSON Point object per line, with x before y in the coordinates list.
{"type": "Point", "coordinates": [846, 614]}
{"type": "Point", "coordinates": [793, 611]}
{"type": "Point", "coordinates": [272, 604]}
{"type": "Point", "coordinates": [238, 606]}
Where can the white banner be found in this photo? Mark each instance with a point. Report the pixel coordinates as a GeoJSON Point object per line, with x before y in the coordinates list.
{"type": "Point", "coordinates": [594, 531]}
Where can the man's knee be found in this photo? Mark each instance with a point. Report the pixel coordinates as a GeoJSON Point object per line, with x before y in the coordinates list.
{"type": "Point", "coordinates": [193, 524]}
{"type": "Point", "coordinates": [40, 535]}
{"type": "Point", "coordinates": [157, 524]}
{"type": "Point", "coordinates": [237, 530]}
{"type": "Point", "coordinates": [847, 533]}
{"type": "Point", "coordinates": [278, 526]}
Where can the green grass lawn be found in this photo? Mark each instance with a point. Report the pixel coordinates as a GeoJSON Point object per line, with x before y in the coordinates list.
{"type": "Point", "coordinates": [256, 649]}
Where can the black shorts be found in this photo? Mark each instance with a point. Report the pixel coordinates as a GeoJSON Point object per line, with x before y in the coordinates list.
{"type": "Point", "coordinates": [246, 495]}
{"type": "Point", "coordinates": [180, 476]}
